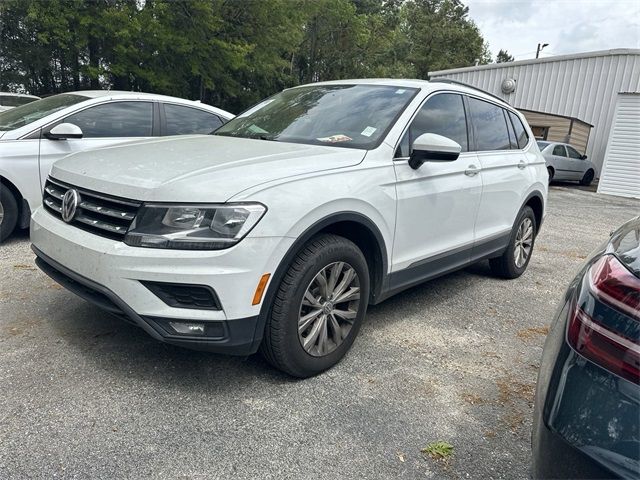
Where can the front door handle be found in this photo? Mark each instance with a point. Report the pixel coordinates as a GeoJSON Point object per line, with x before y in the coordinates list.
{"type": "Point", "coordinates": [522, 165]}
{"type": "Point", "coordinates": [471, 171]}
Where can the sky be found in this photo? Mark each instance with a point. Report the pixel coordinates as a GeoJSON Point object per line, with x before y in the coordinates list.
{"type": "Point", "coordinates": [568, 26]}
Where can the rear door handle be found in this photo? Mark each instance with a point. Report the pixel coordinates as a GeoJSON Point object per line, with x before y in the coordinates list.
{"type": "Point", "coordinates": [471, 171]}
{"type": "Point", "coordinates": [522, 164]}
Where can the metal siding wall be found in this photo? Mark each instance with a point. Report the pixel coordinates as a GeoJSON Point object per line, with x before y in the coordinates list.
{"type": "Point", "coordinates": [585, 88]}
{"type": "Point", "coordinates": [621, 172]}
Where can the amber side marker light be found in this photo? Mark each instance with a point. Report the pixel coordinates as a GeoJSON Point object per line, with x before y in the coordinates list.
{"type": "Point", "coordinates": [262, 284]}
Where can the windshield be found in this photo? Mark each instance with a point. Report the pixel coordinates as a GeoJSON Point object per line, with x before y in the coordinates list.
{"type": "Point", "coordinates": [542, 145]}
{"type": "Point", "coordinates": [355, 116]}
{"type": "Point", "coordinates": [15, 100]}
{"type": "Point", "coordinates": [25, 114]}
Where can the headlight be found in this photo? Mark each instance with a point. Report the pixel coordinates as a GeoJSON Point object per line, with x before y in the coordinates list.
{"type": "Point", "coordinates": [193, 227]}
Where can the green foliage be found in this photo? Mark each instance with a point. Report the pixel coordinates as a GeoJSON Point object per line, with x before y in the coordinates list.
{"type": "Point", "coordinates": [438, 450]}
{"type": "Point", "coordinates": [504, 56]}
{"type": "Point", "coordinates": [230, 53]}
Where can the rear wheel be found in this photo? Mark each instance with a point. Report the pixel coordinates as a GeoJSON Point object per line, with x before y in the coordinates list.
{"type": "Point", "coordinates": [513, 262]}
{"type": "Point", "coordinates": [551, 172]}
{"type": "Point", "coordinates": [319, 307]}
{"type": "Point", "coordinates": [588, 178]}
{"type": "Point", "coordinates": [8, 213]}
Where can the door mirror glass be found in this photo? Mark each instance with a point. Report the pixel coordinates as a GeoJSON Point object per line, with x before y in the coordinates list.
{"type": "Point", "coordinates": [62, 131]}
{"type": "Point", "coordinates": [431, 147]}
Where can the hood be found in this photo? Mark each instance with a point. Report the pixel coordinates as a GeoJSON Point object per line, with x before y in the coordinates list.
{"type": "Point", "coordinates": [195, 168]}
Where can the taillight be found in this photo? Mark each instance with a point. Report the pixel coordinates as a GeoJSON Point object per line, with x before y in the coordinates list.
{"type": "Point", "coordinates": [604, 326]}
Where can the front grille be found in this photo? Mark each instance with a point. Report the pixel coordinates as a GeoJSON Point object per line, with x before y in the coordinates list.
{"type": "Point", "coordinates": [97, 213]}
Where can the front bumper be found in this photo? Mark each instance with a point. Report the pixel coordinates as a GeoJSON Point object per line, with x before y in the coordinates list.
{"type": "Point", "coordinates": [109, 273]}
{"type": "Point", "coordinates": [236, 337]}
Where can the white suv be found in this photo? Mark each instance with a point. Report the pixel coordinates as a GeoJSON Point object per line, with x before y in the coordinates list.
{"type": "Point", "coordinates": [276, 232]}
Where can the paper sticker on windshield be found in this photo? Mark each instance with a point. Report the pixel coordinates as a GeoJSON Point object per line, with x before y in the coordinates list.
{"type": "Point", "coordinates": [367, 132]}
{"type": "Point", "coordinates": [400, 91]}
{"type": "Point", "coordinates": [335, 139]}
{"type": "Point", "coordinates": [256, 108]}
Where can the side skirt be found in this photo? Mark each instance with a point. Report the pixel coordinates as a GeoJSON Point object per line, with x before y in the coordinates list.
{"type": "Point", "coordinates": [438, 265]}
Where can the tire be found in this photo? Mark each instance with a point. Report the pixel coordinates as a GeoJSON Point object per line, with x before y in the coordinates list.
{"type": "Point", "coordinates": [508, 264]}
{"type": "Point", "coordinates": [588, 178]}
{"type": "Point", "coordinates": [8, 213]}
{"type": "Point", "coordinates": [551, 172]}
{"type": "Point", "coordinates": [282, 345]}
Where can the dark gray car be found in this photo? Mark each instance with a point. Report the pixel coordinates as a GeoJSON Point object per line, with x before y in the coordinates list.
{"type": "Point", "coordinates": [587, 409]}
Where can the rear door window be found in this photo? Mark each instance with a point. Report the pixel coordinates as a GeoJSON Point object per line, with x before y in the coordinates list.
{"type": "Point", "coordinates": [521, 133]}
{"type": "Point", "coordinates": [183, 120]}
{"type": "Point", "coordinates": [490, 125]}
{"type": "Point", "coordinates": [512, 134]}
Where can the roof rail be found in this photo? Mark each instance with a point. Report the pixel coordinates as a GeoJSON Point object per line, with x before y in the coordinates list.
{"type": "Point", "coordinates": [456, 82]}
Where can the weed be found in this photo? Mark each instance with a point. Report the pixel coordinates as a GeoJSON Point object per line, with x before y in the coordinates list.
{"type": "Point", "coordinates": [438, 450]}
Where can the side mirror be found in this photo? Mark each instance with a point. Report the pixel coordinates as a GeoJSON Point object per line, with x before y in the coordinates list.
{"type": "Point", "coordinates": [583, 157]}
{"type": "Point", "coordinates": [430, 147]}
{"type": "Point", "coordinates": [62, 131]}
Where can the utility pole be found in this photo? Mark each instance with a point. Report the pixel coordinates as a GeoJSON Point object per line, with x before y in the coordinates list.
{"type": "Point", "coordinates": [540, 47]}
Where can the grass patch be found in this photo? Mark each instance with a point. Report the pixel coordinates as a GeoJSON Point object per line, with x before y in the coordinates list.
{"type": "Point", "coordinates": [438, 450]}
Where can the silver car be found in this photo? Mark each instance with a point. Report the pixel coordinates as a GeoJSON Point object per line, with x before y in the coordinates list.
{"type": "Point", "coordinates": [565, 163]}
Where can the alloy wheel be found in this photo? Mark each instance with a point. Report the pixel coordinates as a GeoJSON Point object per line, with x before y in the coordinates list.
{"type": "Point", "coordinates": [524, 242]}
{"type": "Point", "coordinates": [1, 213]}
{"type": "Point", "coordinates": [329, 308]}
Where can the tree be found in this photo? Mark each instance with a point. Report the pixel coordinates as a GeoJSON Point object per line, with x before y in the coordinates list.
{"type": "Point", "coordinates": [504, 57]}
{"type": "Point", "coordinates": [230, 53]}
{"type": "Point", "coordinates": [441, 36]}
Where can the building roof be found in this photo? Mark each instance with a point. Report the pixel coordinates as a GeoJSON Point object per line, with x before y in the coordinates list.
{"type": "Point", "coordinates": [557, 58]}
{"type": "Point", "coordinates": [554, 115]}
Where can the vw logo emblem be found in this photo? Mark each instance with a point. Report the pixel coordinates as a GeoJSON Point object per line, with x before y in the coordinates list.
{"type": "Point", "coordinates": [70, 203]}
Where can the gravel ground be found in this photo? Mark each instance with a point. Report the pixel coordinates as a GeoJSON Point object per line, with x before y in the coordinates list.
{"type": "Point", "coordinates": [85, 395]}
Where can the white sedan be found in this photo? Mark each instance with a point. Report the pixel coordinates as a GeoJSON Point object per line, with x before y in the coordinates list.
{"type": "Point", "coordinates": [35, 135]}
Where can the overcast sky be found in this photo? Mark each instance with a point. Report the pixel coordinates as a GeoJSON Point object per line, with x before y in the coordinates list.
{"type": "Point", "coordinates": [568, 26]}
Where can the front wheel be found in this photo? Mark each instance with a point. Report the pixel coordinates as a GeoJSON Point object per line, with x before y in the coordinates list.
{"type": "Point", "coordinates": [318, 308]}
{"type": "Point", "coordinates": [513, 262]}
{"type": "Point", "coordinates": [587, 178]}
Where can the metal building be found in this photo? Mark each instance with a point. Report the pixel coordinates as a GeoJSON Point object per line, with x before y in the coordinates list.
{"type": "Point", "coordinates": [601, 89]}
